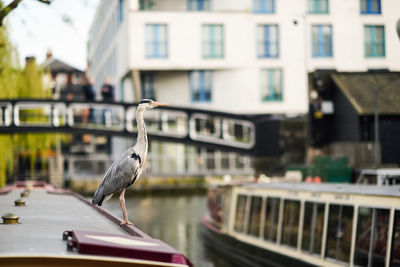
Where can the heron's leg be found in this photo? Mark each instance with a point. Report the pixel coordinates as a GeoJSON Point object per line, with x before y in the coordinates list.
{"type": "Point", "coordinates": [123, 207]}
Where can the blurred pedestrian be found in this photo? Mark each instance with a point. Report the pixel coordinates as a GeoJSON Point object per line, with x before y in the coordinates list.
{"type": "Point", "coordinates": [88, 89]}
{"type": "Point", "coordinates": [89, 95]}
{"type": "Point", "coordinates": [107, 90]}
{"type": "Point", "coordinates": [107, 93]}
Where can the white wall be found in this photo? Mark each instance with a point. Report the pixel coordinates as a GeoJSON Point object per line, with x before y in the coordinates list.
{"type": "Point", "coordinates": [236, 76]}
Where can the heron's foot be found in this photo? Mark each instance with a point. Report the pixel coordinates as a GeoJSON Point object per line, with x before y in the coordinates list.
{"type": "Point", "coordinates": [126, 223]}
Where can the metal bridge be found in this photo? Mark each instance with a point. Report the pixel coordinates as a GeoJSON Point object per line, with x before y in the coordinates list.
{"type": "Point", "coordinates": [249, 134]}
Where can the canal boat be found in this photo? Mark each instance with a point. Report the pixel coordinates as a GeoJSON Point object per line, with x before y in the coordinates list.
{"type": "Point", "coordinates": [304, 224]}
{"type": "Point", "coordinates": [47, 226]}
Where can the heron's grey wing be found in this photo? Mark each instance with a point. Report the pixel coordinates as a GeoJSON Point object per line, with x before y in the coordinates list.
{"type": "Point", "coordinates": [118, 176]}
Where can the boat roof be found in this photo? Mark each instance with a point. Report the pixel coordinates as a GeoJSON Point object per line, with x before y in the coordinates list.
{"type": "Point", "coordinates": [339, 188]}
{"type": "Point", "coordinates": [49, 212]}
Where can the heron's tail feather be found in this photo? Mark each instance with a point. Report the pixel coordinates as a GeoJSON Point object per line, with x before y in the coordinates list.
{"type": "Point", "coordinates": [99, 196]}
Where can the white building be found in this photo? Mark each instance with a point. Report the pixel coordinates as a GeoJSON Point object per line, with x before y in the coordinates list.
{"type": "Point", "coordinates": [241, 56]}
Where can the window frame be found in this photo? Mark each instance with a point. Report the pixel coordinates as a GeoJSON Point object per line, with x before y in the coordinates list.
{"type": "Point", "coordinates": [264, 41]}
{"type": "Point", "coordinates": [269, 85]}
{"type": "Point", "coordinates": [314, 7]}
{"type": "Point", "coordinates": [147, 85]}
{"type": "Point", "coordinates": [199, 5]}
{"type": "Point", "coordinates": [261, 7]}
{"type": "Point", "coordinates": [340, 223]}
{"type": "Point", "coordinates": [320, 43]}
{"type": "Point", "coordinates": [374, 212]}
{"type": "Point", "coordinates": [204, 86]}
{"type": "Point", "coordinates": [240, 223]}
{"type": "Point", "coordinates": [285, 230]}
{"type": "Point", "coordinates": [310, 247]}
{"type": "Point", "coordinates": [252, 225]}
{"type": "Point", "coordinates": [373, 43]}
{"type": "Point", "coordinates": [211, 44]}
{"type": "Point", "coordinates": [369, 6]}
{"type": "Point", "coordinates": [153, 45]}
{"type": "Point", "coordinates": [273, 223]}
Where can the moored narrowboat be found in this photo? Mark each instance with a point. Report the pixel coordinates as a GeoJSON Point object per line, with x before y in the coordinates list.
{"type": "Point", "coordinates": [285, 224]}
{"type": "Point", "coordinates": [47, 226]}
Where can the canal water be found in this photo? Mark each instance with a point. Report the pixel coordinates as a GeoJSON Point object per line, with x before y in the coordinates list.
{"type": "Point", "coordinates": [175, 219]}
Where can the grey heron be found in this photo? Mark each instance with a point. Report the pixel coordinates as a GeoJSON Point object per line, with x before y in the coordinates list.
{"type": "Point", "coordinates": [124, 171]}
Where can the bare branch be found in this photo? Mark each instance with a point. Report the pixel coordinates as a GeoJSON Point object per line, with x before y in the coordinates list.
{"type": "Point", "coordinates": [13, 5]}
{"type": "Point", "coordinates": [47, 2]}
{"type": "Point", "coordinates": [4, 12]}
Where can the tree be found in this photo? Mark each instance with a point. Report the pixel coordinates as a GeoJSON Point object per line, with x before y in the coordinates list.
{"type": "Point", "coordinates": [4, 11]}
{"type": "Point", "coordinates": [21, 83]}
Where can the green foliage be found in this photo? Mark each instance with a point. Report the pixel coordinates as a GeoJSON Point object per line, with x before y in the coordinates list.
{"type": "Point", "coordinates": [21, 83]}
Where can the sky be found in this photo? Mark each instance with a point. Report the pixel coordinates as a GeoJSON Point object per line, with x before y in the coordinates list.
{"type": "Point", "coordinates": [62, 27]}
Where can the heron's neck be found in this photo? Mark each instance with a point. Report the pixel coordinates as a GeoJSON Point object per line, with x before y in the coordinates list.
{"type": "Point", "coordinates": [141, 142]}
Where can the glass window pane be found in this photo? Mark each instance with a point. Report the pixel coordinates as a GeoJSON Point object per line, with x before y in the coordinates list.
{"type": "Point", "coordinates": [255, 216]}
{"type": "Point", "coordinates": [373, 222]}
{"type": "Point", "coordinates": [271, 218]}
{"type": "Point", "coordinates": [313, 227]}
{"type": "Point", "coordinates": [269, 6]}
{"type": "Point", "coordinates": [205, 33]}
{"type": "Point", "coordinates": [363, 6]}
{"type": "Point", "coordinates": [314, 37]}
{"type": "Point", "coordinates": [340, 223]}
{"type": "Point", "coordinates": [375, 6]}
{"type": "Point", "coordinates": [240, 213]}
{"type": "Point", "coordinates": [395, 255]}
{"type": "Point", "coordinates": [290, 224]}
{"type": "Point", "coordinates": [218, 33]}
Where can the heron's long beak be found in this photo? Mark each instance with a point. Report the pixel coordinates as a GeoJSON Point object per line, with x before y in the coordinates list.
{"type": "Point", "coordinates": [157, 104]}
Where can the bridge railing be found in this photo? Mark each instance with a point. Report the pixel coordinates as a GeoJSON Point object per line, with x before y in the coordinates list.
{"type": "Point", "coordinates": [221, 130]}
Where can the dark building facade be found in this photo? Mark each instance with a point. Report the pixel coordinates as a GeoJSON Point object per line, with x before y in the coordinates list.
{"type": "Point", "coordinates": [342, 121]}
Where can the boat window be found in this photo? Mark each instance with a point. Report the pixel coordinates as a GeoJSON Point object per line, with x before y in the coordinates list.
{"type": "Point", "coordinates": [240, 213]}
{"type": "Point", "coordinates": [340, 223]}
{"type": "Point", "coordinates": [371, 223]}
{"type": "Point", "coordinates": [290, 224]}
{"type": "Point", "coordinates": [313, 227]}
{"type": "Point", "coordinates": [255, 216]}
{"type": "Point", "coordinates": [271, 218]}
{"type": "Point", "coordinates": [395, 258]}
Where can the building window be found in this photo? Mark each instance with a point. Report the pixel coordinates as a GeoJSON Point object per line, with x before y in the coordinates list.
{"type": "Point", "coordinates": [264, 6]}
{"type": "Point", "coordinates": [313, 227]}
{"type": "Point", "coordinates": [156, 41]}
{"type": "Point", "coordinates": [371, 223]}
{"type": "Point", "coordinates": [370, 6]}
{"type": "Point", "coordinates": [146, 4]}
{"type": "Point", "coordinates": [213, 41]}
{"type": "Point", "coordinates": [374, 41]}
{"type": "Point", "coordinates": [318, 6]}
{"type": "Point", "coordinates": [271, 218]}
{"type": "Point", "coordinates": [199, 5]}
{"type": "Point", "coordinates": [271, 85]}
{"type": "Point", "coordinates": [240, 213]}
{"type": "Point", "coordinates": [290, 224]}
{"type": "Point", "coordinates": [147, 83]}
{"type": "Point", "coordinates": [255, 216]}
{"type": "Point", "coordinates": [321, 40]}
{"type": "Point", "coordinates": [340, 223]}
{"type": "Point", "coordinates": [267, 41]}
{"type": "Point", "coordinates": [200, 85]}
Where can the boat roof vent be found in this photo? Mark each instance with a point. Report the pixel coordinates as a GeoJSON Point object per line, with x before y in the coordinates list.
{"type": "Point", "coordinates": [20, 202]}
{"type": "Point", "coordinates": [10, 218]}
